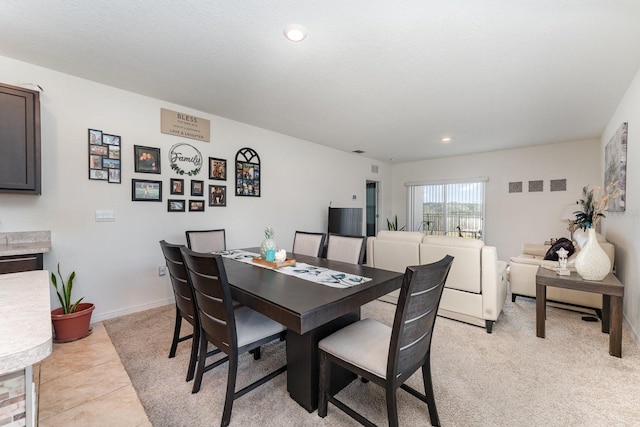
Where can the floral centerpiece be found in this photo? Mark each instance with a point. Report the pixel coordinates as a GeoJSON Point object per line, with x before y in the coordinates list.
{"type": "Point", "coordinates": [592, 263]}
{"type": "Point", "coordinates": [594, 204]}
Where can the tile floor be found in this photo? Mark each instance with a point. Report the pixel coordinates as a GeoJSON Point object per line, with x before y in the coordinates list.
{"type": "Point", "coordinates": [83, 383]}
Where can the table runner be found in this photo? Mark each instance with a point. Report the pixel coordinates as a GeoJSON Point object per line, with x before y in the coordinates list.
{"type": "Point", "coordinates": [324, 276]}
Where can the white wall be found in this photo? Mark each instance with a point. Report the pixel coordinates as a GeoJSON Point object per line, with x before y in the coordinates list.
{"type": "Point", "coordinates": [116, 262]}
{"type": "Point", "coordinates": [623, 228]}
{"type": "Point", "coordinates": [513, 218]}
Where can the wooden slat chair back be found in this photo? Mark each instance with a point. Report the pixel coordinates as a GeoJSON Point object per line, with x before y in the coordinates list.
{"type": "Point", "coordinates": [233, 330]}
{"type": "Point", "coordinates": [400, 350]}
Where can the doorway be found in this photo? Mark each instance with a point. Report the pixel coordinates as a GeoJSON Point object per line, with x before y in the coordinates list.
{"type": "Point", "coordinates": [372, 208]}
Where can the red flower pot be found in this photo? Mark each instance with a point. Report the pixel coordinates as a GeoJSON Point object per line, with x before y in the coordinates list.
{"type": "Point", "coordinates": [73, 326]}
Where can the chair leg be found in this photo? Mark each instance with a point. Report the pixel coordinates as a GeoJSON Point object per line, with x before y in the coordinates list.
{"type": "Point", "coordinates": [176, 335]}
{"type": "Point", "coordinates": [428, 389]}
{"type": "Point", "coordinates": [256, 353]}
{"type": "Point", "coordinates": [231, 386]}
{"type": "Point", "coordinates": [195, 341]}
{"type": "Point", "coordinates": [202, 356]}
{"type": "Point", "coordinates": [324, 384]}
{"type": "Point", "coordinates": [392, 406]}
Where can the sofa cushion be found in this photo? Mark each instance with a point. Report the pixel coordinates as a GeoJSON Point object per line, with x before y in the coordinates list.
{"type": "Point", "coordinates": [394, 250]}
{"type": "Point", "coordinates": [465, 270]}
{"type": "Point", "coordinates": [562, 242]}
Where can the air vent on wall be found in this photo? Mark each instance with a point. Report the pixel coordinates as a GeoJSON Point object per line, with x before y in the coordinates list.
{"type": "Point", "coordinates": [374, 168]}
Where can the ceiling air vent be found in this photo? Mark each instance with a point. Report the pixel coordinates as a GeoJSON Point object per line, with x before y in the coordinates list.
{"type": "Point", "coordinates": [374, 168]}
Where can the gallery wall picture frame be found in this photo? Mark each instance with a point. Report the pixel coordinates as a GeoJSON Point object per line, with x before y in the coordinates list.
{"type": "Point", "coordinates": [143, 190]}
{"type": "Point", "coordinates": [176, 186]}
{"type": "Point", "coordinates": [175, 205]}
{"type": "Point", "coordinates": [115, 176]}
{"type": "Point", "coordinates": [217, 195]}
{"type": "Point", "coordinates": [146, 159]}
{"type": "Point", "coordinates": [196, 205]}
{"type": "Point", "coordinates": [217, 169]}
{"type": "Point", "coordinates": [197, 188]}
{"type": "Point", "coordinates": [248, 173]}
{"type": "Point", "coordinates": [104, 157]}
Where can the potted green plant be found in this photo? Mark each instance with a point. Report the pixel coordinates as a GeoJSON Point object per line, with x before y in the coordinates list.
{"type": "Point", "coordinates": [72, 320]}
{"type": "Point", "coordinates": [393, 226]}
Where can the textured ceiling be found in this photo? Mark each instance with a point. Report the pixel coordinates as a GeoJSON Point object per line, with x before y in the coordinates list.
{"type": "Point", "coordinates": [389, 78]}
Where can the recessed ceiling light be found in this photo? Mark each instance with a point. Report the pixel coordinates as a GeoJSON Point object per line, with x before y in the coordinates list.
{"type": "Point", "coordinates": [358, 151]}
{"type": "Point", "coordinates": [295, 33]}
{"type": "Point", "coordinates": [446, 139]}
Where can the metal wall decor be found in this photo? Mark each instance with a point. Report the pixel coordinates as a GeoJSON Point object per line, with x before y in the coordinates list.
{"type": "Point", "coordinates": [247, 173]}
{"type": "Point", "coordinates": [185, 159]}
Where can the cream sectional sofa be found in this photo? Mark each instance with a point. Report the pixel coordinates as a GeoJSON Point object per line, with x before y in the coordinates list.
{"type": "Point", "coordinates": [476, 287]}
{"type": "Point", "coordinates": [523, 268]}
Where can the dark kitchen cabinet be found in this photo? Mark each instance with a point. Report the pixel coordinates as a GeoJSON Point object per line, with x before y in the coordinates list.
{"type": "Point", "coordinates": [19, 140]}
{"type": "Point", "coordinates": [18, 263]}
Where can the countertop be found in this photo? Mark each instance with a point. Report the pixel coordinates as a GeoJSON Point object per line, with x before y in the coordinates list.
{"type": "Point", "coordinates": [26, 242]}
{"type": "Point", "coordinates": [25, 319]}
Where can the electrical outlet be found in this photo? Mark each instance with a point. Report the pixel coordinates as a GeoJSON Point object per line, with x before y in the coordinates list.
{"type": "Point", "coordinates": [162, 270]}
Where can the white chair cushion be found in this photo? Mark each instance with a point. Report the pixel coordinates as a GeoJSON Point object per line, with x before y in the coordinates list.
{"type": "Point", "coordinates": [307, 244]}
{"type": "Point", "coordinates": [345, 249]}
{"type": "Point", "coordinates": [364, 344]}
{"type": "Point", "coordinates": [252, 326]}
{"type": "Point", "coordinates": [207, 241]}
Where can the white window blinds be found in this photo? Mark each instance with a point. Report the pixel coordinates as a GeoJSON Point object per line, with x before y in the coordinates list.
{"type": "Point", "coordinates": [453, 208]}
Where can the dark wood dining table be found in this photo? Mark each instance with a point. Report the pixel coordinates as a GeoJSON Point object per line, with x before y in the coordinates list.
{"type": "Point", "coordinates": [310, 311]}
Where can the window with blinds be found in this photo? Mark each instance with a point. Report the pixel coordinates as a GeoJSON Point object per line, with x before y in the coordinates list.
{"type": "Point", "coordinates": [450, 208]}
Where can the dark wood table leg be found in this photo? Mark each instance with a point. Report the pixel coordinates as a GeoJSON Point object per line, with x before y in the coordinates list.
{"type": "Point", "coordinates": [606, 313]}
{"type": "Point", "coordinates": [303, 363]}
{"type": "Point", "coordinates": [541, 309]}
{"type": "Point", "coordinates": [615, 336]}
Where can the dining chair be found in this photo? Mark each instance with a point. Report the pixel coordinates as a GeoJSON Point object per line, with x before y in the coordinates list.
{"type": "Point", "coordinates": [233, 331]}
{"type": "Point", "coordinates": [206, 240]}
{"type": "Point", "coordinates": [346, 248]}
{"type": "Point", "coordinates": [185, 304]}
{"type": "Point", "coordinates": [388, 356]}
{"type": "Point", "coordinates": [307, 243]}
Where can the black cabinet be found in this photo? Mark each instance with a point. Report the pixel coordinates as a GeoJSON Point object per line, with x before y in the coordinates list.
{"type": "Point", "coordinates": [19, 140]}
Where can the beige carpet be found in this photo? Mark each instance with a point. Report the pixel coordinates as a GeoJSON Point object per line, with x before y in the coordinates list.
{"type": "Point", "coordinates": [508, 378]}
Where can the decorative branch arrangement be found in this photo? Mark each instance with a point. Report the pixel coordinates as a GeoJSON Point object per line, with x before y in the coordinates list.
{"type": "Point", "coordinates": [593, 204]}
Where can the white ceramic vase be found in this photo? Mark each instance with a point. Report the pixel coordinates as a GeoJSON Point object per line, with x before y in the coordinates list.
{"type": "Point", "coordinates": [592, 262]}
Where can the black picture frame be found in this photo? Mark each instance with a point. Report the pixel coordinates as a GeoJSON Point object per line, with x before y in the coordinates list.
{"type": "Point", "coordinates": [217, 195]}
{"type": "Point", "coordinates": [115, 176]}
{"type": "Point", "coordinates": [176, 186]}
{"type": "Point", "coordinates": [104, 157]}
{"type": "Point", "coordinates": [217, 169]}
{"type": "Point", "coordinates": [146, 159]}
{"type": "Point", "coordinates": [143, 190]}
{"type": "Point", "coordinates": [196, 205]}
{"type": "Point", "coordinates": [175, 205]}
{"type": "Point", "coordinates": [248, 173]}
{"type": "Point", "coordinates": [197, 188]}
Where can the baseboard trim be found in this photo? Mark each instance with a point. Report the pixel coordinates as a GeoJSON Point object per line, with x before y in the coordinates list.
{"type": "Point", "coordinates": [129, 310]}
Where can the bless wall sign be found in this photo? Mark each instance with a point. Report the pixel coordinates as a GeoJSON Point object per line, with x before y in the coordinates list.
{"type": "Point", "coordinates": [184, 125]}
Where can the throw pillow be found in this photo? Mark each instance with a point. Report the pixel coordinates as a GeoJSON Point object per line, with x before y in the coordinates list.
{"type": "Point", "coordinates": [562, 242]}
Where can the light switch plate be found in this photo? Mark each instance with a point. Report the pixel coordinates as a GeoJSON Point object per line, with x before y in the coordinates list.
{"type": "Point", "coordinates": [107, 215]}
